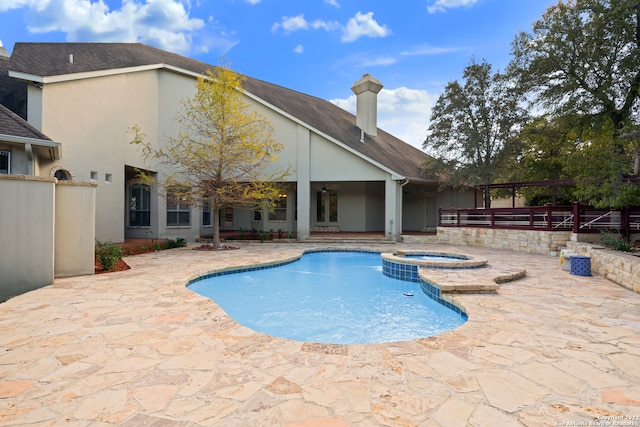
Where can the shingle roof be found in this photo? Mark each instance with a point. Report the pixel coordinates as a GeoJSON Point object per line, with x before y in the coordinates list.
{"type": "Point", "coordinates": [14, 125]}
{"type": "Point", "coordinates": [13, 93]}
{"type": "Point", "coordinates": [52, 59]}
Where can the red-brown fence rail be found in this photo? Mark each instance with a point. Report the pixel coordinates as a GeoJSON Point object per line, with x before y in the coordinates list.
{"type": "Point", "coordinates": [576, 218]}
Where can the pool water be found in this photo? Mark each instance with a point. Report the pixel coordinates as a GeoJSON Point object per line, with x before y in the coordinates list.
{"type": "Point", "coordinates": [329, 297]}
{"type": "Point", "coordinates": [433, 257]}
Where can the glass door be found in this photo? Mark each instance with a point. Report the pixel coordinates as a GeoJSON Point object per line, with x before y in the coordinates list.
{"type": "Point", "coordinates": [326, 208]}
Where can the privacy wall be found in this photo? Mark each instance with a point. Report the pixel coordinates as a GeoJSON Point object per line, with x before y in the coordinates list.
{"type": "Point", "coordinates": [38, 238]}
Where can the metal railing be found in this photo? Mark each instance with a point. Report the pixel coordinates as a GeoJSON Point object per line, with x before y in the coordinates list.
{"type": "Point", "coordinates": [577, 218]}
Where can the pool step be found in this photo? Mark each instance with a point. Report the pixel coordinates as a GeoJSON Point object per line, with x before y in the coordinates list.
{"type": "Point", "coordinates": [481, 280]}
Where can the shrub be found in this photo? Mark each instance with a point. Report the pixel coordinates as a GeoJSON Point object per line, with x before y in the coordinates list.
{"type": "Point", "coordinates": [615, 241]}
{"type": "Point", "coordinates": [179, 242]}
{"type": "Point", "coordinates": [108, 255]}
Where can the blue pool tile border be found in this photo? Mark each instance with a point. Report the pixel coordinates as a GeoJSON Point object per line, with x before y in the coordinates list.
{"type": "Point", "coordinates": [434, 293]}
{"type": "Point", "coordinates": [410, 273]}
{"type": "Point", "coordinates": [242, 269]}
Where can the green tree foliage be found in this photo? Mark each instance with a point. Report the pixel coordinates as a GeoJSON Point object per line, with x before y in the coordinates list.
{"type": "Point", "coordinates": [546, 145]}
{"type": "Point", "coordinates": [583, 59]}
{"type": "Point", "coordinates": [224, 153]}
{"type": "Point", "coordinates": [473, 128]}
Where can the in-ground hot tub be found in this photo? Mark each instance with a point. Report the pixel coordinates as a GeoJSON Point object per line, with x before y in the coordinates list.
{"type": "Point", "coordinates": [404, 265]}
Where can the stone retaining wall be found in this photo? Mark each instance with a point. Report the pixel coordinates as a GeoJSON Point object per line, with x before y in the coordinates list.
{"type": "Point", "coordinates": [529, 241]}
{"type": "Point", "coordinates": [619, 267]}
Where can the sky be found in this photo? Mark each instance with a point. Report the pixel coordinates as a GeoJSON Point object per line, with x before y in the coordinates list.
{"type": "Point", "coordinates": [319, 47]}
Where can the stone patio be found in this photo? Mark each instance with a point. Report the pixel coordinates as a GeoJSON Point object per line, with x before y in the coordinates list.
{"type": "Point", "coordinates": [137, 348]}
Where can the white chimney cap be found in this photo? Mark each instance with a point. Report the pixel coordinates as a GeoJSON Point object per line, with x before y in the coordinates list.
{"type": "Point", "coordinates": [366, 84]}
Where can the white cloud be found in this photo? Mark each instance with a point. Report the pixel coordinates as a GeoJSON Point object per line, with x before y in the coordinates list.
{"type": "Point", "coordinates": [332, 3]}
{"type": "Point", "coordinates": [253, 1]}
{"type": "Point", "coordinates": [298, 49]}
{"type": "Point", "coordinates": [379, 61]}
{"type": "Point", "coordinates": [363, 25]}
{"type": "Point", "coordinates": [13, 4]}
{"type": "Point", "coordinates": [319, 24]}
{"type": "Point", "coordinates": [291, 23]}
{"type": "Point", "coordinates": [403, 112]}
{"type": "Point", "coordinates": [163, 23]}
{"type": "Point", "coordinates": [443, 5]}
{"type": "Point", "coordinates": [427, 50]}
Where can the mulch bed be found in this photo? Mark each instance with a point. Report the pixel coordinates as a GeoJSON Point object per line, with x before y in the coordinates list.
{"type": "Point", "coordinates": [120, 266]}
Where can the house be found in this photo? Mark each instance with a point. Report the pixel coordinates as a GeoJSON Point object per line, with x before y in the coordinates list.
{"type": "Point", "coordinates": [47, 220]}
{"type": "Point", "coordinates": [22, 147]}
{"type": "Point", "coordinates": [348, 175]}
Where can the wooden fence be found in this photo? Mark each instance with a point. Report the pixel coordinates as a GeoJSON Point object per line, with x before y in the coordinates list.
{"type": "Point", "coordinates": [576, 218]}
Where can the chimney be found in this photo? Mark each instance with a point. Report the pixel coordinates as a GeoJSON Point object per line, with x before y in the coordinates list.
{"type": "Point", "coordinates": [3, 52]}
{"type": "Point", "coordinates": [366, 90]}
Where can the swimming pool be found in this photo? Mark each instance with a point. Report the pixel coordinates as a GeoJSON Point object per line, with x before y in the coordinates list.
{"type": "Point", "coordinates": [329, 297]}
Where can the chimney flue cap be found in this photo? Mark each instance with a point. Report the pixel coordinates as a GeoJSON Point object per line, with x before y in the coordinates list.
{"type": "Point", "coordinates": [366, 84]}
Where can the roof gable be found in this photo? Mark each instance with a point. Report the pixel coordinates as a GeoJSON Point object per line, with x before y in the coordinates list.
{"type": "Point", "coordinates": [56, 59]}
{"type": "Point", "coordinates": [13, 125]}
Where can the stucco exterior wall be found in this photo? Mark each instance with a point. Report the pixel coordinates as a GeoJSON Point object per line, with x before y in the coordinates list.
{"type": "Point", "coordinates": [27, 224]}
{"type": "Point", "coordinates": [19, 160]}
{"type": "Point", "coordinates": [74, 228]}
{"type": "Point", "coordinates": [92, 117]}
{"type": "Point", "coordinates": [47, 232]}
{"type": "Point", "coordinates": [333, 163]}
{"type": "Point", "coordinates": [374, 206]}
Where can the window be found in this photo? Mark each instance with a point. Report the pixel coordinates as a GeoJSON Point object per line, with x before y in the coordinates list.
{"type": "Point", "coordinates": [108, 178]}
{"type": "Point", "coordinates": [94, 175]}
{"type": "Point", "coordinates": [206, 214]}
{"type": "Point", "coordinates": [257, 214]}
{"type": "Point", "coordinates": [279, 212]}
{"type": "Point", "coordinates": [62, 175]}
{"type": "Point", "coordinates": [178, 209]}
{"type": "Point", "coordinates": [139, 206]}
{"type": "Point", "coordinates": [5, 162]}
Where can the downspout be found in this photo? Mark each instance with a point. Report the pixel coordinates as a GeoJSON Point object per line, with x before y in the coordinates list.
{"type": "Point", "coordinates": [29, 150]}
{"type": "Point", "coordinates": [402, 183]}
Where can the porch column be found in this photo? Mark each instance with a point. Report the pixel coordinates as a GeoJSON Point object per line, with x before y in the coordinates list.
{"type": "Point", "coordinates": [392, 209]}
{"type": "Point", "coordinates": [303, 195]}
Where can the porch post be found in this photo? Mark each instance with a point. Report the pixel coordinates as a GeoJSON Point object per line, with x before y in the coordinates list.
{"type": "Point", "coordinates": [303, 195]}
{"type": "Point", "coordinates": [393, 209]}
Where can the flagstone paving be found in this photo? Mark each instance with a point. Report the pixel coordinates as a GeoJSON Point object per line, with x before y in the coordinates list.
{"type": "Point", "coordinates": [137, 348]}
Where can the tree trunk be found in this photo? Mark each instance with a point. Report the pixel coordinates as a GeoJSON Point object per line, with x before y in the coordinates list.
{"type": "Point", "coordinates": [216, 227]}
{"type": "Point", "coordinates": [487, 197]}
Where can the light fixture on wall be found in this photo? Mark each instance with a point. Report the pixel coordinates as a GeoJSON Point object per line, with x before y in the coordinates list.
{"type": "Point", "coordinates": [324, 189]}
